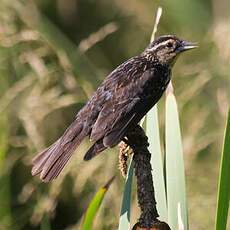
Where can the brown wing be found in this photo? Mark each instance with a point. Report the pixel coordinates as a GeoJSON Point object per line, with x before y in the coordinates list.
{"type": "Point", "coordinates": [106, 136]}
{"type": "Point", "coordinates": [110, 114]}
{"type": "Point", "coordinates": [121, 111]}
{"type": "Point", "coordinates": [129, 103]}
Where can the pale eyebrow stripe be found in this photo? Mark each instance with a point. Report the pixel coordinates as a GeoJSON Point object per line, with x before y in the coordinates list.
{"type": "Point", "coordinates": [160, 44]}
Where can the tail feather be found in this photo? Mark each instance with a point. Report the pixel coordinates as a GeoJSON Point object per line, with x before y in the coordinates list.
{"type": "Point", "coordinates": [52, 160]}
{"type": "Point", "coordinates": [40, 160]}
{"type": "Point", "coordinates": [53, 168]}
{"type": "Point", "coordinates": [95, 149]}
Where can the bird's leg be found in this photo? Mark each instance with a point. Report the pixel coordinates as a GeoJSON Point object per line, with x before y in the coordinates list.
{"type": "Point", "coordinates": [138, 141]}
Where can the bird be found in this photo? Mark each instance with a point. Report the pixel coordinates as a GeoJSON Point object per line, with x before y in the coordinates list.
{"type": "Point", "coordinates": [116, 107]}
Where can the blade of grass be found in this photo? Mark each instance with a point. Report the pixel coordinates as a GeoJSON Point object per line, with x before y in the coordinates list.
{"type": "Point", "coordinates": [45, 224]}
{"type": "Point", "coordinates": [223, 197]}
{"type": "Point", "coordinates": [175, 174]}
{"type": "Point", "coordinates": [180, 221]}
{"type": "Point", "coordinates": [152, 131]}
{"type": "Point", "coordinates": [5, 213]}
{"type": "Point", "coordinates": [157, 20]}
{"type": "Point", "coordinates": [124, 222]}
{"type": "Point", "coordinates": [95, 205]}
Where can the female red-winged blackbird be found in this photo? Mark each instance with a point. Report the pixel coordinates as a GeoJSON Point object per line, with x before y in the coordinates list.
{"type": "Point", "coordinates": [119, 103]}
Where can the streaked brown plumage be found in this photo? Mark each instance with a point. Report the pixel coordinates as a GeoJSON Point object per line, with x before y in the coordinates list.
{"type": "Point", "coordinates": [119, 103]}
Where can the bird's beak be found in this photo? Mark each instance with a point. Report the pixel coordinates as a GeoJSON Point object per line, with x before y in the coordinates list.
{"type": "Point", "coordinates": [185, 45]}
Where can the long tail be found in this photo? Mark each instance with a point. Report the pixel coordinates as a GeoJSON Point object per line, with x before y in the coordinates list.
{"type": "Point", "coordinates": [50, 162]}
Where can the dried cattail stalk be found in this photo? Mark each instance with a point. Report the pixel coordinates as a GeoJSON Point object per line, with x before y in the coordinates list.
{"type": "Point", "coordinates": [124, 152]}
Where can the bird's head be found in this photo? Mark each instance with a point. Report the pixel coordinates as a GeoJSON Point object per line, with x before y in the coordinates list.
{"type": "Point", "coordinates": [166, 49]}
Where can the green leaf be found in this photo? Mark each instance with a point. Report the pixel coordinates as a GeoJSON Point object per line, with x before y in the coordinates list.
{"type": "Point", "coordinates": [224, 185]}
{"type": "Point", "coordinates": [152, 131]}
{"type": "Point", "coordinates": [5, 211]}
{"type": "Point", "coordinates": [94, 206]}
{"type": "Point", "coordinates": [175, 174]}
{"type": "Point", "coordinates": [124, 222]}
{"type": "Point", "coordinates": [45, 224]}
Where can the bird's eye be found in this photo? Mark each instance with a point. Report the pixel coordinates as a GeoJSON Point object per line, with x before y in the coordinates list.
{"type": "Point", "coordinates": [169, 45]}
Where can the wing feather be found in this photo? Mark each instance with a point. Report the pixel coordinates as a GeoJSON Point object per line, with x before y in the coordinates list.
{"type": "Point", "coordinates": [122, 110]}
{"type": "Point", "coordinates": [110, 115]}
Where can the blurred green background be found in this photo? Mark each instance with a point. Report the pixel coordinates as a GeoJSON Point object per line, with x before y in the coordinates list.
{"type": "Point", "coordinates": [54, 53]}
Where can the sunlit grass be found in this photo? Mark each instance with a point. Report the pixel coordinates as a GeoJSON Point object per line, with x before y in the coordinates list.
{"type": "Point", "coordinates": [174, 166]}
{"type": "Point", "coordinates": [223, 199]}
{"type": "Point", "coordinates": [94, 206]}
